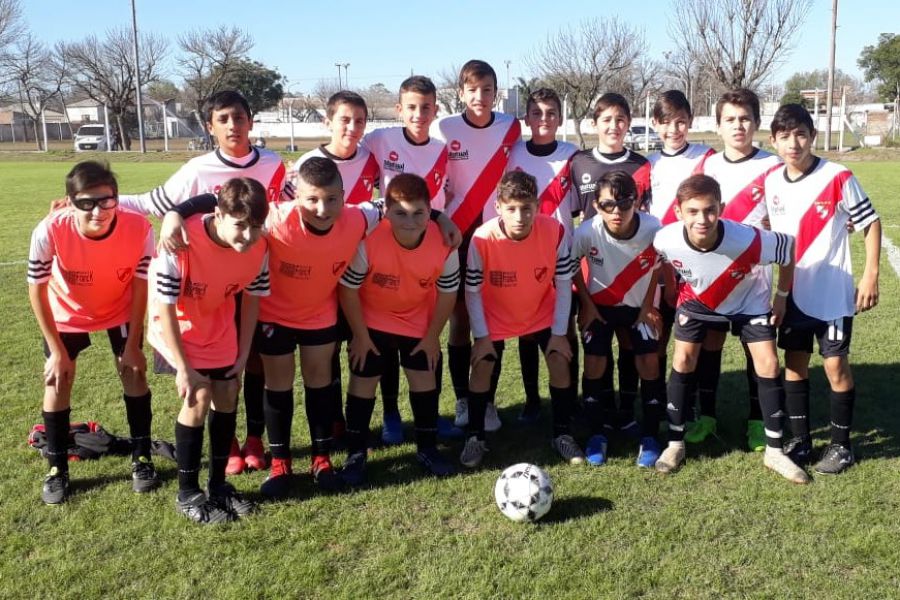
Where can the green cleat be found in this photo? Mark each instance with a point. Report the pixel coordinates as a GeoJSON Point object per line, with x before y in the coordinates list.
{"type": "Point", "coordinates": [699, 430]}
{"type": "Point", "coordinates": [756, 435]}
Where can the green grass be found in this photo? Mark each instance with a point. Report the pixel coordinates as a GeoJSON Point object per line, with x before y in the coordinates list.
{"type": "Point", "coordinates": [723, 526]}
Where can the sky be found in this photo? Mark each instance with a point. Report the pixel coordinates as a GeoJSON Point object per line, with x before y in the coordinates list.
{"type": "Point", "coordinates": [384, 42]}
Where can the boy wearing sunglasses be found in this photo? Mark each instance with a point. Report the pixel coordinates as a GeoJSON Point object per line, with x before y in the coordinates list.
{"type": "Point", "coordinates": [87, 271]}
{"type": "Point", "coordinates": [616, 246]}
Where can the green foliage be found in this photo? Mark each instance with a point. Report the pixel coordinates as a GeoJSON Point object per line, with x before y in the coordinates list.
{"type": "Point", "coordinates": [881, 63]}
{"type": "Point", "coordinates": [259, 84]}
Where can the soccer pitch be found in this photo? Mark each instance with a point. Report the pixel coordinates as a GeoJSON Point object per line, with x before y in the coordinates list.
{"type": "Point", "coordinates": [722, 527]}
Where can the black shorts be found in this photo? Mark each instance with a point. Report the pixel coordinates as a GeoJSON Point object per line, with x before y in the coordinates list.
{"type": "Point", "coordinates": [75, 342]}
{"type": "Point", "coordinates": [273, 339]}
{"type": "Point", "coordinates": [162, 367]}
{"type": "Point", "coordinates": [388, 343]}
{"type": "Point", "coordinates": [798, 330]}
{"type": "Point", "coordinates": [750, 328]}
{"type": "Point", "coordinates": [666, 311]}
{"type": "Point", "coordinates": [541, 338]}
{"type": "Point", "coordinates": [597, 338]}
{"type": "Point", "coordinates": [463, 252]}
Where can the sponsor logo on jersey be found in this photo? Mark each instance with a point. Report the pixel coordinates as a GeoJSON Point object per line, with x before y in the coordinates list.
{"type": "Point", "coordinates": [456, 152]}
{"type": "Point", "coordinates": [778, 207]}
{"type": "Point", "coordinates": [393, 156]}
{"type": "Point", "coordinates": [194, 289]}
{"type": "Point", "coordinates": [393, 165]}
{"type": "Point", "coordinates": [503, 278]}
{"type": "Point", "coordinates": [455, 146]}
{"type": "Point", "coordinates": [426, 283]}
{"type": "Point", "coordinates": [78, 277]}
{"type": "Point", "coordinates": [586, 178]}
{"type": "Point", "coordinates": [294, 271]}
{"type": "Point", "coordinates": [386, 281]}
{"type": "Point", "coordinates": [124, 274]}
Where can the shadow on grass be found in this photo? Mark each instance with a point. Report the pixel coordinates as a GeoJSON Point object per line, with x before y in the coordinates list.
{"type": "Point", "coordinates": [575, 507]}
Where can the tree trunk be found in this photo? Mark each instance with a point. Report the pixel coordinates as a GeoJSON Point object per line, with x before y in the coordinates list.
{"type": "Point", "coordinates": [123, 133]}
{"type": "Point", "coordinates": [37, 136]}
{"type": "Point", "coordinates": [578, 132]}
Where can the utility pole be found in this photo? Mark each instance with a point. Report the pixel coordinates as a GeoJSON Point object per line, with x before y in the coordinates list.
{"type": "Point", "coordinates": [338, 65]}
{"type": "Point", "coordinates": [829, 94]}
{"type": "Point", "coordinates": [137, 80]}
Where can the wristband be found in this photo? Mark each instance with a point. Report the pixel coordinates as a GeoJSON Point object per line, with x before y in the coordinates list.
{"type": "Point", "coordinates": [782, 293]}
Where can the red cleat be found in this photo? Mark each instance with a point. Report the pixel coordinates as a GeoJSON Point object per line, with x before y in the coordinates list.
{"type": "Point", "coordinates": [254, 454]}
{"type": "Point", "coordinates": [236, 464]}
{"type": "Point", "coordinates": [324, 475]}
{"type": "Point", "coordinates": [278, 483]}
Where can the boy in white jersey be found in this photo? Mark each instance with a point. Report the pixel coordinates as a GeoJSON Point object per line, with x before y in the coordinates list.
{"type": "Point", "coordinates": [229, 120]}
{"type": "Point", "coordinates": [814, 200]}
{"type": "Point", "coordinates": [617, 248]}
{"type": "Point", "coordinates": [479, 142]}
{"type": "Point", "coordinates": [548, 160]}
{"type": "Point", "coordinates": [740, 169]}
{"type": "Point", "coordinates": [87, 271]}
{"type": "Point", "coordinates": [716, 259]}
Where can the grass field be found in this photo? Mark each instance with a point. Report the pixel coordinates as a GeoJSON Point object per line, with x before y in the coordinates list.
{"type": "Point", "coordinates": [722, 527]}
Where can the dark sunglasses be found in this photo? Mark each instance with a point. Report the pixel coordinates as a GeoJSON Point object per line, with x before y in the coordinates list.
{"type": "Point", "coordinates": [88, 204]}
{"type": "Point", "coordinates": [624, 204]}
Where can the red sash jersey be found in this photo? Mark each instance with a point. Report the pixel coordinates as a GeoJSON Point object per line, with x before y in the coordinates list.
{"type": "Point", "coordinates": [552, 173]}
{"type": "Point", "coordinates": [517, 280]}
{"type": "Point", "coordinates": [743, 184]}
{"type": "Point", "coordinates": [205, 174]}
{"type": "Point", "coordinates": [398, 286]}
{"type": "Point", "coordinates": [667, 171]}
{"type": "Point", "coordinates": [589, 165]}
{"type": "Point", "coordinates": [203, 294]}
{"type": "Point", "coordinates": [722, 281]}
{"type": "Point", "coordinates": [618, 271]}
{"type": "Point", "coordinates": [359, 172]}
{"type": "Point", "coordinates": [89, 280]}
{"type": "Point", "coordinates": [395, 153]}
{"type": "Point", "coordinates": [477, 158]}
{"type": "Point", "coordinates": [816, 208]}
{"type": "Point", "coordinates": [305, 265]}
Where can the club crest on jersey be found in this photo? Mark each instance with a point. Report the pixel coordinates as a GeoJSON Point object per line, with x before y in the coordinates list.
{"type": "Point", "coordinates": [738, 273]}
{"type": "Point", "coordinates": [338, 267]}
{"type": "Point", "coordinates": [564, 183]}
{"type": "Point", "coordinates": [540, 274]}
{"type": "Point", "coordinates": [644, 263]}
{"type": "Point", "coordinates": [757, 194]}
{"type": "Point", "coordinates": [368, 182]}
{"type": "Point", "coordinates": [231, 289]}
{"type": "Point", "coordinates": [823, 209]}
{"type": "Point", "coordinates": [456, 152]}
{"type": "Point", "coordinates": [124, 274]}
{"type": "Point", "coordinates": [426, 283]}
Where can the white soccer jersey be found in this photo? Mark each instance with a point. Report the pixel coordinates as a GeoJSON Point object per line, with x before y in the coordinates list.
{"type": "Point", "coordinates": [667, 171]}
{"type": "Point", "coordinates": [477, 158]}
{"type": "Point", "coordinates": [205, 174]}
{"type": "Point", "coordinates": [742, 182]}
{"type": "Point", "coordinates": [722, 281]}
{"type": "Point", "coordinates": [618, 272]}
{"type": "Point", "coordinates": [552, 174]}
{"type": "Point", "coordinates": [395, 153]}
{"type": "Point", "coordinates": [359, 172]}
{"type": "Point", "coordinates": [815, 209]}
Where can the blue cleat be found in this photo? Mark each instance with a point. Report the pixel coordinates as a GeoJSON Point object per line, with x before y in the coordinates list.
{"type": "Point", "coordinates": [392, 429]}
{"type": "Point", "coordinates": [595, 451]}
{"type": "Point", "coordinates": [446, 430]}
{"type": "Point", "coordinates": [648, 453]}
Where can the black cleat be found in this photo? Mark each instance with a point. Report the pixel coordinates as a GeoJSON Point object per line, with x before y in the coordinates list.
{"type": "Point", "coordinates": [56, 487]}
{"type": "Point", "coordinates": [200, 509]}
{"type": "Point", "coordinates": [799, 449]}
{"type": "Point", "coordinates": [435, 463]}
{"type": "Point", "coordinates": [835, 459]}
{"type": "Point", "coordinates": [230, 499]}
{"type": "Point", "coordinates": [353, 473]}
{"type": "Point", "coordinates": [143, 475]}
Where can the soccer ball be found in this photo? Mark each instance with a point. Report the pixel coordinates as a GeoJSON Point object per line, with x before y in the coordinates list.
{"type": "Point", "coordinates": [524, 492]}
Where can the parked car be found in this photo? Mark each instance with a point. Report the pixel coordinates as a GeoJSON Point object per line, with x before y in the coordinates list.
{"type": "Point", "coordinates": [635, 138]}
{"type": "Point", "coordinates": [91, 137]}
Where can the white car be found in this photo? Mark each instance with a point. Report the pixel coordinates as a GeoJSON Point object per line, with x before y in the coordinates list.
{"type": "Point", "coordinates": [91, 137]}
{"type": "Point", "coordinates": [636, 136]}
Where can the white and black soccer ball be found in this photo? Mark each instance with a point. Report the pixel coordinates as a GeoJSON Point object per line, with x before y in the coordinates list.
{"type": "Point", "coordinates": [524, 492]}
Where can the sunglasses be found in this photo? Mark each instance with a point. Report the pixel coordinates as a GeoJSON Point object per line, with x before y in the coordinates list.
{"type": "Point", "coordinates": [88, 204]}
{"type": "Point", "coordinates": [623, 204]}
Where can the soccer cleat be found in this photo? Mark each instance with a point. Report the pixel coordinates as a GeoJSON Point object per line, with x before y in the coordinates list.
{"type": "Point", "coordinates": [56, 487]}
{"type": "Point", "coordinates": [200, 509]}
{"type": "Point", "coordinates": [835, 459]}
{"type": "Point", "coordinates": [254, 454]}
{"type": "Point", "coordinates": [230, 499]}
{"type": "Point", "coordinates": [531, 412]}
{"type": "Point", "coordinates": [596, 450]}
{"type": "Point", "coordinates": [354, 472]}
{"type": "Point", "coordinates": [448, 431]}
{"type": "Point", "coordinates": [697, 431]}
{"type": "Point", "coordinates": [235, 464]}
{"type": "Point", "coordinates": [278, 483]}
{"type": "Point", "coordinates": [756, 435]}
{"type": "Point", "coordinates": [473, 452]}
{"type": "Point", "coordinates": [324, 475]}
{"type": "Point", "coordinates": [143, 475]}
{"type": "Point", "coordinates": [434, 462]}
{"type": "Point", "coordinates": [776, 460]}
{"type": "Point", "coordinates": [799, 449]}
{"type": "Point", "coordinates": [671, 458]}
{"type": "Point", "coordinates": [392, 429]}
{"type": "Point", "coordinates": [492, 420]}
{"type": "Point", "coordinates": [648, 452]}
{"type": "Point", "coordinates": [462, 412]}
{"type": "Point", "coordinates": [566, 446]}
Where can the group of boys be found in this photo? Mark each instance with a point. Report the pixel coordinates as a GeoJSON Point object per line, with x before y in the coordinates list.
{"type": "Point", "coordinates": [677, 242]}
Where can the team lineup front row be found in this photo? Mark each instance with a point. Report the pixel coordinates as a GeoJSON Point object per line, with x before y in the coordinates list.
{"type": "Point", "coordinates": [254, 264]}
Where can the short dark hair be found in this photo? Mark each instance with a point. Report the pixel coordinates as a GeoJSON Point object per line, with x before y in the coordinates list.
{"type": "Point", "coordinates": [790, 117]}
{"type": "Point", "coordinates": [697, 186]}
{"type": "Point", "coordinates": [517, 185]}
{"type": "Point", "coordinates": [619, 183]}
{"type": "Point", "coordinates": [244, 198]}
{"type": "Point", "coordinates": [609, 100]}
{"type": "Point", "coordinates": [669, 103]}
{"type": "Point", "coordinates": [345, 97]}
{"type": "Point", "coordinates": [545, 95]}
{"type": "Point", "coordinates": [224, 99]}
{"type": "Point", "coordinates": [418, 84]}
{"type": "Point", "coordinates": [319, 172]}
{"type": "Point", "coordinates": [407, 187]}
{"type": "Point", "coordinates": [476, 69]}
{"type": "Point", "coordinates": [739, 97]}
{"type": "Point", "coordinates": [90, 174]}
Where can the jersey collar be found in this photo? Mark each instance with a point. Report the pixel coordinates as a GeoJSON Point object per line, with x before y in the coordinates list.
{"type": "Point", "coordinates": [806, 173]}
{"type": "Point", "coordinates": [235, 165]}
{"type": "Point", "coordinates": [720, 227]}
{"type": "Point", "coordinates": [753, 153]}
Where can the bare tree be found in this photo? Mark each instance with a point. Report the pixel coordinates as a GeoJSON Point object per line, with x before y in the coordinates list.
{"type": "Point", "coordinates": [641, 79]}
{"type": "Point", "coordinates": [10, 22]}
{"type": "Point", "coordinates": [104, 70]}
{"type": "Point", "coordinates": [210, 57]}
{"type": "Point", "coordinates": [37, 78]}
{"type": "Point", "coordinates": [739, 41]}
{"type": "Point", "coordinates": [581, 61]}
{"type": "Point", "coordinates": [323, 90]}
{"type": "Point", "coordinates": [447, 84]}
